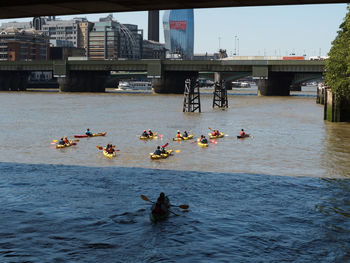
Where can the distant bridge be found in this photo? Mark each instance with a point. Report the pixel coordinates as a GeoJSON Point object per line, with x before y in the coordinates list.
{"type": "Point", "coordinates": [274, 76]}
{"type": "Point", "coordinates": [32, 8]}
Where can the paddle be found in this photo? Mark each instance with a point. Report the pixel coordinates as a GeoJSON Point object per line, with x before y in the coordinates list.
{"type": "Point", "coordinates": [213, 141]}
{"type": "Point", "coordinates": [181, 206]}
{"type": "Point", "coordinates": [165, 145]}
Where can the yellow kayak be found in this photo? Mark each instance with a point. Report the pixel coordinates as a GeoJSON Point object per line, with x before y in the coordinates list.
{"type": "Point", "coordinates": [109, 155]}
{"type": "Point", "coordinates": [161, 156]}
{"type": "Point", "coordinates": [184, 138]}
{"type": "Point", "coordinates": [202, 144]}
{"type": "Point", "coordinates": [216, 136]}
{"type": "Point", "coordinates": [149, 137]}
{"type": "Point", "coordinates": [58, 146]}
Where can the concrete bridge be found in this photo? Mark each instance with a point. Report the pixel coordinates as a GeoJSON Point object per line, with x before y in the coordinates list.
{"type": "Point", "coordinates": [168, 76]}
{"type": "Point", "coordinates": [32, 8]}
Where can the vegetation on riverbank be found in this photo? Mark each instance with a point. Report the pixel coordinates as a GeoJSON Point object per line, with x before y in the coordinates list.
{"type": "Point", "coordinates": [337, 74]}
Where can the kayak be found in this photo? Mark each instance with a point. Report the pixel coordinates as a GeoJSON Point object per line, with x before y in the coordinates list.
{"type": "Point", "coordinates": [242, 137]}
{"type": "Point", "coordinates": [184, 138]}
{"type": "Point", "coordinates": [158, 217]}
{"type": "Point", "coordinates": [216, 136]}
{"type": "Point", "coordinates": [161, 156]}
{"type": "Point", "coordinates": [93, 135]}
{"type": "Point", "coordinates": [149, 137]}
{"type": "Point", "coordinates": [59, 146]}
{"type": "Point", "coordinates": [202, 144]}
{"type": "Point", "coordinates": [109, 155]}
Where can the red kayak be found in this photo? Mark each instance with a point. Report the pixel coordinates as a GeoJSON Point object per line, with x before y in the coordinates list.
{"type": "Point", "coordinates": [93, 135]}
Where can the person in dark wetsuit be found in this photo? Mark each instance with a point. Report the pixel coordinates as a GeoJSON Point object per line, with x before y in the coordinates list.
{"type": "Point", "coordinates": [144, 134]}
{"type": "Point", "coordinates": [158, 151]}
{"type": "Point", "coordinates": [88, 132]}
{"type": "Point", "coordinates": [162, 205]}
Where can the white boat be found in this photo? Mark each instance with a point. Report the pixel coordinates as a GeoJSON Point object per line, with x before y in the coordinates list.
{"type": "Point", "coordinates": [238, 84]}
{"type": "Point", "coordinates": [134, 85]}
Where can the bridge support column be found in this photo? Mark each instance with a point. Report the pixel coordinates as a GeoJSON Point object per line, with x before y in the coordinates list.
{"type": "Point", "coordinates": [277, 84]}
{"type": "Point", "coordinates": [13, 80]}
{"type": "Point", "coordinates": [83, 81]}
{"type": "Point", "coordinates": [173, 81]}
{"type": "Point", "coordinates": [336, 109]}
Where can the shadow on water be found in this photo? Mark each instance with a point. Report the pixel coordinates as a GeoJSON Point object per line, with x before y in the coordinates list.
{"type": "Point", "coordinates": [94, 214]}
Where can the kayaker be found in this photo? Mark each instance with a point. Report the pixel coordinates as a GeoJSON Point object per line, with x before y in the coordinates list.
{"type": "Point", "coordinates": [185, 134]}
{"type": "Point", "coordinates": [61, 142]}
{"type": "Point", "coordinates": [242, 133]}
{"type": "Point", "coordinates": [150, 133]}
{"type": "Point", "coordinates": [204, 140]}
{"type": "Point", "coordinates": [144, 134]}
{"type": "Point", "coordinates": [88, 132]}
{"type": "Point", "coordinates": [217, 132]}
{"type": "Point", "coordinates": [161, 206]}
{"type": "Point", "coordinates": [213, 133]}
{"type": "Point", "coordinates": [66, 141]}
{"type": "Point", "coordinates": [110, 148]}
{"type": "Point", "coordinates": [158, 151]}
{"type": "Point", "coordinates": [178, 135]}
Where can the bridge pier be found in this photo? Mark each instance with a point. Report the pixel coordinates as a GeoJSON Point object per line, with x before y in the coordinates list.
{"type": "Point", "coordinates": [13, 80]}
{"type": "Point", "coordinates": [277, 84]}
{"type": "Point", "coordinates": [172, 81]}
{"type": "Point", "coordinates": [83, 81]}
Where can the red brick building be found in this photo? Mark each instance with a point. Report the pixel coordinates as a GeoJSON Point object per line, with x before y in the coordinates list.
{"type": "Point", "coordinates": [23, 45]}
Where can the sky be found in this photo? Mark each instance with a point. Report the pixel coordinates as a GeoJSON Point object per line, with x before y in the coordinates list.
{"type": "Point", "coordinates": [253, 31]}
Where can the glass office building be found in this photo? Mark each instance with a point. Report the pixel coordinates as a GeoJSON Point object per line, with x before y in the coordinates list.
{"type": "Point", "coordinates": [179, 32]}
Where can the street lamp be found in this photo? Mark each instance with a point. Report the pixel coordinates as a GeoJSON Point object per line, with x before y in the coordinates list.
{"type": "Point", "coordinates": [235, 53]}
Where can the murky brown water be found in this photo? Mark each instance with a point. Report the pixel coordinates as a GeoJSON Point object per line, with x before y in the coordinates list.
{"type": "Point", "coordinates": [289, 134]}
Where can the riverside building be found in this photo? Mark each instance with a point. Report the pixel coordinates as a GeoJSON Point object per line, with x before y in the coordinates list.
{"type": "Point", "coordinates": [23, 45]}
{"type": "Point", "coordinates": [179, 32]}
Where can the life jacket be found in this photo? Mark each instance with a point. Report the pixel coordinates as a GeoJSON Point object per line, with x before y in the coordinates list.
{"type": "Point", "coordinates": [242, 133]}
{"type": "Point", "coordinates": [150, 133]}
{"type": "Point", "coordinates": [217, 133]}
{"type": "Point", "coordinates": [65, 141]}
{"type": "Point", "coordinates": [178, 135]}
{"type": "Point", "coordinates": [110, 150]}
{"type": "Point", "coordinates": [213, 133]}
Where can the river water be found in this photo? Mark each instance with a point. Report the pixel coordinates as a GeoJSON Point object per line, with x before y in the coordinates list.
{"type": "Point", "coordinates": [281, 195]}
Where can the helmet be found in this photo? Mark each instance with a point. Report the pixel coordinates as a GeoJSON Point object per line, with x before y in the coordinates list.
{"type": "Point", "coordinates": [144, 130]}
{"type": "Point", "coordinates": [178, 130]}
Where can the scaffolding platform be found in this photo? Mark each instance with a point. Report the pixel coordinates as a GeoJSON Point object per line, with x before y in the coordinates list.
{"type": "Point", "coordinates": [192, 101]}
{"type": "Point", "coordinates": [220, 95]}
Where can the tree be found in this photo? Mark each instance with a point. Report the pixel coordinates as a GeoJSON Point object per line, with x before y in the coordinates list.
{"type": "Point", "coordinates": [337, 74]}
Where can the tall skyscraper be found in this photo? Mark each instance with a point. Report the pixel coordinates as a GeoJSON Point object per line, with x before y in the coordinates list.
{"type": "Point", "coordinates": [179, 32]}
{"type": "Point", "coordinates": [153, 25]}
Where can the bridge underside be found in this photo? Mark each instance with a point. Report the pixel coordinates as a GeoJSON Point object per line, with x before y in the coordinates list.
{"type": "Point", "coordinates": [32, 8]}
